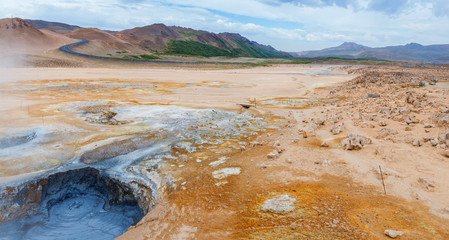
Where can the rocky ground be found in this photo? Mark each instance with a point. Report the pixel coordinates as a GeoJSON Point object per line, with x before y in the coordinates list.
{"type": "Point", "coordinates": [337, 152]}
{"type": "Point", "coordinates": [369, 165]}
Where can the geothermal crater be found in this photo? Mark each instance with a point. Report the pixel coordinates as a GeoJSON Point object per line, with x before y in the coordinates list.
{"type": "Point", "coordinates": [76, 204]}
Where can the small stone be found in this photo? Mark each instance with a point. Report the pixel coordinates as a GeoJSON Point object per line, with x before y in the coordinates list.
{"type": "Point", "coordinates": [273, 154]}
{"type": "Point", "coordinates": [324, 144]}
{"type": "Point", "coordinates": [289, 160]}
{"type": "Point", "coordinates": [382, 123]}
{"type": "Point", "coordinates": [434, 142]}
{"type": "Point", "coordinates": [428, 185]}
{"type": "Point", "coordinates": [417, 143]}
{"type": "Point", "coordinates": [393, 233]}
{"type": "Point", "coordinates": [336, 129]}
{"type": "Point", "coordinates": [408, 128]}
{"type": "Point", "coordinates": [427, 125]}
{"type": "Point", "coordinates": [373, 95]}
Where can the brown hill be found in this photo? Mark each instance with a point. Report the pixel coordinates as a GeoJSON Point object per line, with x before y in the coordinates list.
{"type": "Point", "coordinates": [19, 36]}
{"type": "Point", "coordinates": [101, 42]}
{"type": "Point", "coordinates": [155, 36]}
{"type": "Point", "coordinates": [186, 41]}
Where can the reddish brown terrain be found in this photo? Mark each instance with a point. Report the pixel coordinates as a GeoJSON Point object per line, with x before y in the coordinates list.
{"type": "Point", "coordinates": [18, 35]}
{"type": "Point", "coordinates": [101, 42]}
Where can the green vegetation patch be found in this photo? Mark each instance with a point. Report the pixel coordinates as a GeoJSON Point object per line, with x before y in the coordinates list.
{"type": "Point", "coordinates": [149, 57]}
{"type": "Point", "coordinates": [192, 48]}
{"type": "Point", "coordinates": [141, 57]}
{"type": "Point", "coordinates": [248, 50]}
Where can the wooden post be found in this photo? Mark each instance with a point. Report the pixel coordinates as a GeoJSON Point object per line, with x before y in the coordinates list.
{"type": "Point", "coordinates": [382, 177]}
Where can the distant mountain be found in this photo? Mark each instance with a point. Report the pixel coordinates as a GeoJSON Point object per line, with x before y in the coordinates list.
{"type": "Point", "coordinates": [53, 26]}
{"type": "Point", "coordinates": [412, 52]}
{"type": "Point", "coordinates": [345, 49]}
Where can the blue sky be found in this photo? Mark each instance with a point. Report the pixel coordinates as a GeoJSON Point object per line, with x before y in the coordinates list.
{"type": "Point", "coordinates": [289, 25]}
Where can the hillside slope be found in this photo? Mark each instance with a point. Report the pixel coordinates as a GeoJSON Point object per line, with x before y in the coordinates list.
{"type": "Point", "coordinates": [101, 42]}
{"type": "Point", "coordinates": [19, 36]}
{"type": "Point", "coordinates": [53, 26]}
{"type": "Point", "coordinates": [162, 39]}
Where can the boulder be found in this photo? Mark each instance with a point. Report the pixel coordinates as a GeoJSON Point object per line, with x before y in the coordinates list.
{"type": "Point", "coordinates": [355, 142]}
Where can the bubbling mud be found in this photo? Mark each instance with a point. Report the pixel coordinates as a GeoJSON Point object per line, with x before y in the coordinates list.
{"type": "Point", "coordinates": [77, 204]}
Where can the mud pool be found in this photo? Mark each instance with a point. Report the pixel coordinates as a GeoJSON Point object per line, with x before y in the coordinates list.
{"type": "Point", "coordinates": [103, 184]}
{"type": "Point", "coordinates": [77, 204]}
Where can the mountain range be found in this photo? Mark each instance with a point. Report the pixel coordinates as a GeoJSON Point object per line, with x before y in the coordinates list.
{"type": "Point", "coordinates": [155, 39]}
{"type": "Point", "coordinates": [412, 52]}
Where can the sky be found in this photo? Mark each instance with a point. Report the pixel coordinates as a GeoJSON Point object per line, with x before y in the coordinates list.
{"type": "Point", "coordinates": [288, 25]}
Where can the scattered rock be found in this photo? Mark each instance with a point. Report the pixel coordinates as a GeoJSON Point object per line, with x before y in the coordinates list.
{"type": "Point", "coordinates": [410, 119]}
{"type": "Point", "coordinates": [324, 144]}
{"type": "Point", "coordinates": [373, 95]}
{"type": "Point", "coordinates": [382, 123]}
{"type": "Point", "coordinates": [326, 163]}
{"type": "Point", "coordinates": [434, 142]}
{"type": "Point", "coordinates": [417, 143]}
{"type": "Point", "coordinates": [355, 142]}
{"type": "Point", "coordinates": [336, 129]}
{"type": "Point", "coordinates": [441, 118]}
{"type": "Point", "coordinates": [273, 154]}
{"type": "Point", "coordinates": [280, 204]}
{"type": "Point", "coordinates": [289, 160]}
{"type": "Point", "coordinates": [427, 125]}
{"type": "Point", "coordinates": [393, 234]}
{"type": "Point", "coordinates": [428, 185]}
{"type": "Point", "coordinates": [319, 122]}
{"type": "Point", "coordinates": [385, 132]}
{"type": "Point", "coordinates": [422, 83]}
{"type": "Point", "coordinates": [104, 117]}
{"type": "Point", "coordinates": [408, 128]}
